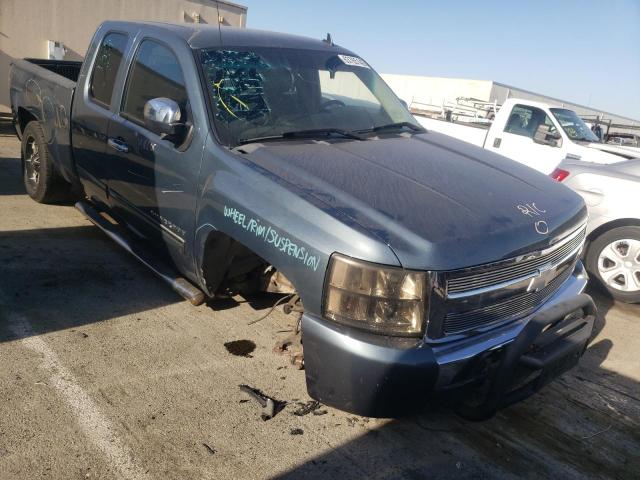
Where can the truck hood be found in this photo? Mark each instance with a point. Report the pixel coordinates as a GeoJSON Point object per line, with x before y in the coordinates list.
{"type": "Point", "coordinates": [437, 202]}
{"type": "Point", "coordinates": [621, 153]}
{"type": "Point", "coordinates": [597, 153]}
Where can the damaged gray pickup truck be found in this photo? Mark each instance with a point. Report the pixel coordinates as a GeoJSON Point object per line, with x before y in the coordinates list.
{"type": "Point", "coordinates": [234, 160]}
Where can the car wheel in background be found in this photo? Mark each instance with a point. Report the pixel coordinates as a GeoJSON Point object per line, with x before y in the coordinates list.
{"type": "Point", "coordinates": [41, 180]}
{"type": "Point", "coordinates": [613, 259]}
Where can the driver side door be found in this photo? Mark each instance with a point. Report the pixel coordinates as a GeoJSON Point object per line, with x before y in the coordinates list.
{"type": "Point", "coordinates": [154, 177]}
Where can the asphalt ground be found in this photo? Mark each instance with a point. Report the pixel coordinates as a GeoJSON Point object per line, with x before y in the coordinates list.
{"type": "Point", "coordinates": [106, 373]}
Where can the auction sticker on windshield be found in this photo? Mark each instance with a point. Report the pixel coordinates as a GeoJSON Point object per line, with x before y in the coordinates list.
{"type": "Point", "coordinates": [353, 61]}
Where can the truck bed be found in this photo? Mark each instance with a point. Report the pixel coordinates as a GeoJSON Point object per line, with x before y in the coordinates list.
{"type": "Point", "coordinates": [43, 90]}
{"type": "Point", "coordinates": [66, 68]}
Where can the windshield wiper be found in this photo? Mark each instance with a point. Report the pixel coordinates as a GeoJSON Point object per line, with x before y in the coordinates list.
{"type": "Point", "coordinates": [394, 126]}
{"type": "Point", "coordinates": [313, 133]}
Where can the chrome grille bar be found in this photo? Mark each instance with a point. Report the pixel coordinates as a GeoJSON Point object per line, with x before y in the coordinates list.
{"type": "Point", "coordinates": [512, 271]}
{"type": "Point", "coordinates": [515, 307]}
{"type": "Point", "coordinates": [485, 296]}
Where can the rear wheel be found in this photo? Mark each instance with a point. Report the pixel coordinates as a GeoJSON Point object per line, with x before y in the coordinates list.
{"type": "Point", "coordinates": [41, 180]}
{"type": "Point", "coordinates": [614, 260]}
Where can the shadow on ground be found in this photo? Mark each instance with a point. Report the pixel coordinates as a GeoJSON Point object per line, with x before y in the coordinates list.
{"type": "Point", "coordinates": [10, 167]}
{"type": "Point", "coordinates": [55, 273]}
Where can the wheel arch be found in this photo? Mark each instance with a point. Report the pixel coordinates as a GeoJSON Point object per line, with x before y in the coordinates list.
{"type": "Point", "coordinates": [216, 248]}
{"type": "Point", "coordinates": [605, 227]}
{"type": "Point", "coordinates": [23, 118]}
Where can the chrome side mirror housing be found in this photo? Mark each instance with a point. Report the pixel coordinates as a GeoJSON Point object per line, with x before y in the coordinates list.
{"type": "Point", "coordinates": [163, 117]}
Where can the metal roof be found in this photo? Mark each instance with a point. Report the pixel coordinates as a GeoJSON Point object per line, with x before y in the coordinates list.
{"type": "Point", "coordinates": [202, 36]}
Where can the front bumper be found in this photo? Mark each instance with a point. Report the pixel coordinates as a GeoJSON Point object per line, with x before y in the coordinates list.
{"type": "Point", "coordinates": [379, 376]}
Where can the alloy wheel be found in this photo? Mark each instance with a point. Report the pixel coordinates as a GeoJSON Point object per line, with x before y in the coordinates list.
{"type": "Point", "coordinates": [32, 162]}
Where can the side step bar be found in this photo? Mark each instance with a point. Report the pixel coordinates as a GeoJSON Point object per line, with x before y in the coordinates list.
{"type": "Point", "coordinates": [181, 285]}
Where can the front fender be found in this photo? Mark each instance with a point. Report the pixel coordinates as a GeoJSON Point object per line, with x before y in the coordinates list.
{"type": "Point", "coordinates": [291, 229]}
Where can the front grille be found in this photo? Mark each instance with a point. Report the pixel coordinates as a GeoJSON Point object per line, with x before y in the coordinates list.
{"type": "Point", "coordinates": [515, 307]}
{"type": "Point", "coordinates": [488, 295]}
{"type": "Point", "coordinates": [488, 276]}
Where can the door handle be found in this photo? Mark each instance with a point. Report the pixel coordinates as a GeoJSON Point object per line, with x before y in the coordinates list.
{"type": "Point", "coordinates": [118, 145]}
{"type": "Point", "coordinates": [496, 142]}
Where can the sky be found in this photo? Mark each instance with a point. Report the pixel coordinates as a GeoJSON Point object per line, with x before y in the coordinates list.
{"type": "Point", "coordinates": [587, 52]}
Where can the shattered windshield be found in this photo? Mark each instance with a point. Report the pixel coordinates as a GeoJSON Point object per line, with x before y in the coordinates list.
{"type": "Point", "coordinates": [573, 125]}
{"type": "Point", "coordinates": [263, 92]}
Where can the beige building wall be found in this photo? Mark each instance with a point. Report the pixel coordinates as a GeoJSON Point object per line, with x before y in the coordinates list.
{"type": "Point", "coordinates": [436, 90]}
{"type": "Point", "coordinates": [26, 25]}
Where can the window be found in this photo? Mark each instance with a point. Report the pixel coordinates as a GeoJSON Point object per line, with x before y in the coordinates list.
{"type": "Point", "coordinates": [268, 92]}
{"type": "Point", "coordinates": [573, 125]}
{"type": "Point", "coordinates": [529, 122]}
{"type": "Point", "coordinates": [106, 67]}
{"type": "Point", "coordinates": [347, 88]}
{"type": "Point", "coordinates": [155, 73]}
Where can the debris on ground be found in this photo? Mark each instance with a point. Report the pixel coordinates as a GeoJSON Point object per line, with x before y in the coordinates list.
{"type": "Point", "coordinates": [270, 406]}
{"type": "Point", "coordinates": [352, 421]}
{"type": "Point", "coordinates": [272, 309]}
{"type": "Point", "coordinates": [296, 431]}
{"type": "Point", "coordinates": [312, 406]}
{"type": "Point", "coordinates": [80, 334]}
{"type": "Point", "coordinates": [240, 348]}
{"type": "Point", "coordinates": [210, 449]}
{"type": "Point", "coordinates": [291, 346]}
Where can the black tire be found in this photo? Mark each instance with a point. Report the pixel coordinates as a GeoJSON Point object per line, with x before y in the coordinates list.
{"type": "Point", "coordinates": [41, 180]}
{"type": "Point", "coordinates": [596, 248]}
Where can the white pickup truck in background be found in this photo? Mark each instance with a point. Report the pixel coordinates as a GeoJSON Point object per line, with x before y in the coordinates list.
{"type": "Point", "coordinates": [533, 133]}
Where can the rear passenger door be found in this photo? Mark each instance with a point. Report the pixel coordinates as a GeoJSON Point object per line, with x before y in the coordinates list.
{"type": "Point", "coordinates": [154, 178]}
{"type": "Point", "coordinates": [92, 110]}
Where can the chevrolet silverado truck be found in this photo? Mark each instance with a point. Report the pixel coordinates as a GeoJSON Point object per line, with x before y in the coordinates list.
{"type": "Point", "coordinates": [233, 161]}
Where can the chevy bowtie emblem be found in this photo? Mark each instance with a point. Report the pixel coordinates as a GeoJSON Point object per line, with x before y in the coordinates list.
{"type": "Point", "coordinates": [540, 281]}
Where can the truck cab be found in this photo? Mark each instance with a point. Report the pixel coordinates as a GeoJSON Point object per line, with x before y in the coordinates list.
{"type": "Point", "coordinates": [541, 136]}
{"type": "Point", "coordinates": [232, 161]}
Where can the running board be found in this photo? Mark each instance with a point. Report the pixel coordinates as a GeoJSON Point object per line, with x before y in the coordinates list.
{"type": "Point", "coordinates": [181, 285]}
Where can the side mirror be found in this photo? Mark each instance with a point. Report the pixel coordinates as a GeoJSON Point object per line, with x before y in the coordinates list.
{"type": "Point", "coordinates": [544, 137]}
{"type": "Point", "coordinates": [163, 117]}
{"type": "Point", "coordinates": [404, 104]}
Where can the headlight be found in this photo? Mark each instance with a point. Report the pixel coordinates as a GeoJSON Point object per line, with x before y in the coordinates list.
{"type": "Point", "coordinates": [386, 300]}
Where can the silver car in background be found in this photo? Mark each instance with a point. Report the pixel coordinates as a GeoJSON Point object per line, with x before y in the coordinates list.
{"type": "Point", "coordinates": [612, 195]}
